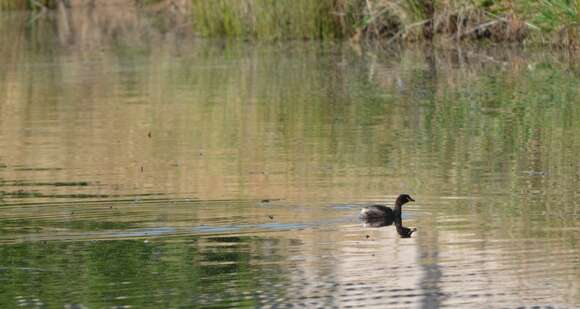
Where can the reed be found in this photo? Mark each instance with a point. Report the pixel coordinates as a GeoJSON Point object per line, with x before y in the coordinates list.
{"type": "Point", "coordinates": [558, 20]}
{"type": "Point", "coordinates": [551, 21]}
{"type": "Point", "coordinates": [267, 19]}
{"type": "Point", "coordinates": [525, 21]}
{"type": "Point", "coordinates": [7, 5]}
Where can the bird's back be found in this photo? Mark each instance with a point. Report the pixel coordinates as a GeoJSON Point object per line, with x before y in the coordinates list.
{"type": "Point", "coordinates": [376, 212]}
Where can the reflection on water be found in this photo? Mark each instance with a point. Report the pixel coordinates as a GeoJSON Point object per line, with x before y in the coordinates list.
{"type": "Point", "coordinates": [403, 231]}
{"type": "Point", "coordinates": [171, 172]}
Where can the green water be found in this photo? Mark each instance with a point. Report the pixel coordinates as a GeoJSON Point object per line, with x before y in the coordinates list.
{"type": "Point", "coordinates": [164, 172]}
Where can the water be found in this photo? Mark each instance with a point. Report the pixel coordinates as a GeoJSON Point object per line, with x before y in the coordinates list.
{"type": "Point", "coordinates": [172, 172]}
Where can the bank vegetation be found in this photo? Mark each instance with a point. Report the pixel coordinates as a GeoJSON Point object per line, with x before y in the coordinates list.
{"type": "Point", "coordinates": [547, 22]}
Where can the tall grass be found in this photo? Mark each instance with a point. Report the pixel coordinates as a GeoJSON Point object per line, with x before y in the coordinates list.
{"type": "Point", "coordinates": [549, 21]}
{"type": "Point", "coordinates": [555, 21]}
{"type": "Point", "coordinates": [267, 19]}
{"type": "Point", "coordinates": [296, 19]}
{"type": "Point", "coordinates": [558, 17]}
{"type": "Point", "coordinates": [6, 5]}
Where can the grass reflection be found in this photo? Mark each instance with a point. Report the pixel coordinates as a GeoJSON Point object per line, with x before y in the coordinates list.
{"type": "Point", "coordinates": [135, 273]}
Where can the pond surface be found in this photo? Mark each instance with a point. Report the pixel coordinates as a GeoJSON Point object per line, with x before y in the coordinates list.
{"type": "Point", "coordinates": [169, 172]}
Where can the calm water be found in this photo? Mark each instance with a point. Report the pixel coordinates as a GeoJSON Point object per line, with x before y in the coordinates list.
{"type": "Point", "coordinates": [167, 172]}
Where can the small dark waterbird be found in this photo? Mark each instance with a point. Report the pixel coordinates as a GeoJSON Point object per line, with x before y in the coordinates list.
{"type": "Point", "coordinates": [384, 214]}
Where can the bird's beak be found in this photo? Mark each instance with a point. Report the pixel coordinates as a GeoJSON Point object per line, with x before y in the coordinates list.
{"type": "Point", "coordinates": [411, 199]}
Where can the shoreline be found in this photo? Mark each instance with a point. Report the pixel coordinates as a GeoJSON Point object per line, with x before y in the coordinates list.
{"type": "Point", "coordinates": [498, 22]}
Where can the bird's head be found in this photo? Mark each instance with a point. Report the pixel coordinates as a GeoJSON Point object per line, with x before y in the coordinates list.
{"type": "Point", "coordinates": [404, 199]}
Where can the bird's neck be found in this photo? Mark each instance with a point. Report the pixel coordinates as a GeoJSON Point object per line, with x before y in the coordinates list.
{"type": "Point", "coordinates": [398, 209]}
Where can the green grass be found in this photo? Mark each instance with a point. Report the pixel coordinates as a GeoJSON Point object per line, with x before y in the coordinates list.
{"type": "Point", "coordinates": [553, 15]}
{"type": "Point", "coordinates": [266, 19]}
{"type": "Point", "coordinates": [6, 5]}
{"type": "Point", "coordinates": [557, 17]}
{"type": "Point", "coordinates": [551, 21]}
{"type": "Point", "coordinates": [526, 21]}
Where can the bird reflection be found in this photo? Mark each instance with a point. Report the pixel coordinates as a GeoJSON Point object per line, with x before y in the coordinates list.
{"type": "Point", "coordinates": [403, 231]}
{"type": "Point", "coordinates": [377, 222]}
